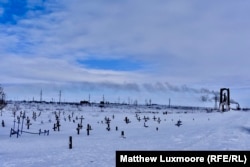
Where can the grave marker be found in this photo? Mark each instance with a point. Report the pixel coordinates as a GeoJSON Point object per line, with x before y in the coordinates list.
{"type": "Point", "coordinates": [3, 125]}
{"type": "Point", "coordinates": [88, 129]}
{"type": "Point", "coordinates": [70, 142]}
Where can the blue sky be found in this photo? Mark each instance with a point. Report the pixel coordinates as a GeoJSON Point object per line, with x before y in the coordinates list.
{"type": "Point", "coordinates": [134, 48]}
{"type": "Point", "coordinates": [12, 9]}
{"type": "Point", "coordinates": [121, 64]}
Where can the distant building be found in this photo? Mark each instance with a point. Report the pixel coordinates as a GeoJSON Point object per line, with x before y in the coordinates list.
{"type": "Point", "coordinates": [84, 102]}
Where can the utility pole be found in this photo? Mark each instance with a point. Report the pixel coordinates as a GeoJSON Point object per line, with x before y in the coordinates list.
{"type": "Point", "coordinates": [41, 95]}
{"type": "Point", "coordinates": [169, 101]}
{"type": "Point", "coordinates": [60, 94]}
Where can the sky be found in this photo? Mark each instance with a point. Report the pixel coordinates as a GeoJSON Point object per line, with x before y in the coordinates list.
{"type": "Point", "coordinates": [125, 50]}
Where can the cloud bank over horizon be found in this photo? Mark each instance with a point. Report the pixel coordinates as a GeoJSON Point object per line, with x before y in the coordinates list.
{"type": "Point", "coordinates": [124, 45]}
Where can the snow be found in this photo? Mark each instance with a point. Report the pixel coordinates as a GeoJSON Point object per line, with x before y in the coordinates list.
{"type": "Point", "coordinates": [200, 130]}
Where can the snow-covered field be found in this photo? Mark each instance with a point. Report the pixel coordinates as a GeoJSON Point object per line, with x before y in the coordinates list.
{"type": "Point", "coordinates": [200, 130]}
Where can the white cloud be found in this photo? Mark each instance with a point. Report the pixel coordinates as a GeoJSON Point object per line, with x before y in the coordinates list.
{"type": "Point", "coordinates": [47, 70]}
{"type": "Point", "coordinates": [182, 42]}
